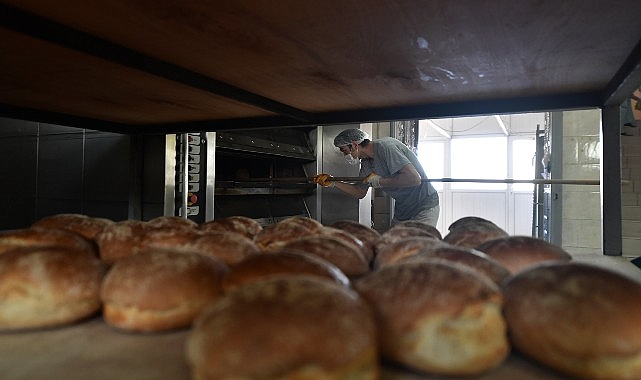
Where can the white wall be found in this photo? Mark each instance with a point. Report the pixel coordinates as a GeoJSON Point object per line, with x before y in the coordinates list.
{"type": "Point", "coordinates": [581, 210]}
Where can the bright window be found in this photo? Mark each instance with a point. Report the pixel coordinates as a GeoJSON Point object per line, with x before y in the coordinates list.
{"type": "Point", "coordinates": [479, 158]}
{"type": "Point", "coordinates": [431, 155]}
{"type": "Point", "coordinates": [523, 153]}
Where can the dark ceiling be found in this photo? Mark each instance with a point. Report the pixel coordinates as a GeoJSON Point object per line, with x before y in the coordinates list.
{"type": "Point", "coordinates": [148, 66]}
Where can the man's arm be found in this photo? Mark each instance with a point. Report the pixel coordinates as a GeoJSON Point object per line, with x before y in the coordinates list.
{"type": "Point", "coordinates": [407, 176]}
{"type": "Point", "coordinates": [353, 190]}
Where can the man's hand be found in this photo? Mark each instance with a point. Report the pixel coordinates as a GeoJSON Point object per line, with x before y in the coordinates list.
{"type": "Point", "coordinates": [324, 180]}
{"type": "Point", "coordinates": [374, 180]}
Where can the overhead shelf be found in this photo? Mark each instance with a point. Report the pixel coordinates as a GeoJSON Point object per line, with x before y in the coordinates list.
{"type": "Point", "coordinates": [145, 67]}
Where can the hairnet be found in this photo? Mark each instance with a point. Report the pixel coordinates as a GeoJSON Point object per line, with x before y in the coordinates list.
{"type": "Point", "coordinates": [347, 136]}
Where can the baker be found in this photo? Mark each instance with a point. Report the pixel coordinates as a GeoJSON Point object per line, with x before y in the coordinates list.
{"type": "Point", "coordinates": [388, 164]}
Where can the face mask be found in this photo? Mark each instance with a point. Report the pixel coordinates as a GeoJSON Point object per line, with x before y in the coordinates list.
{"type": "Point", "coordinates": [352, 160]}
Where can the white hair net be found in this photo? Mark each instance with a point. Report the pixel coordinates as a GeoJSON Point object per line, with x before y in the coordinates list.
{"type": "Point", "coordinates": [347, 136]}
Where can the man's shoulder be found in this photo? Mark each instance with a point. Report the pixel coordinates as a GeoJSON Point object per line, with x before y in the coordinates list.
{"type": "Point", "coordinates": [388, 141]}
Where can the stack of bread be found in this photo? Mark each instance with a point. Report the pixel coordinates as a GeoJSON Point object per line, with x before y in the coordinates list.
{"type": "Point", "coordinates": [298, 299]}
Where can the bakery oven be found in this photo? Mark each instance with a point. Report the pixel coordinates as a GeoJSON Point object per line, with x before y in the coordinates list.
{"type": "Point", "coordinates": [262, 174]}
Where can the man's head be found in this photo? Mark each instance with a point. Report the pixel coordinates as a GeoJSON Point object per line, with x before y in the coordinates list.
{"type": "Point", "coordinates": [348, 136]}
{"type": "Point", "coordinates": [348, 143]}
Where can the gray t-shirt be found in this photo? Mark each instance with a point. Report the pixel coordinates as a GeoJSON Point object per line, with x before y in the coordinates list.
{"type": "Point", "coordinates": [390, 155]}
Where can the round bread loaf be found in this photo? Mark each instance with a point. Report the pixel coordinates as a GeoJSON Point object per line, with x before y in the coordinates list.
{"type": "Point", "coordinates": [367, 235]}
{"type": "Point", "coordinates": [275, 236]}
{"type": "Point", "coordinates": [349, 239]}
{"type": "Point", "coordinates": [423, 226]}
{"type": "Point", "coordinates": [171, 222]}
{"type": "Point", "coordinates": [294, 327]}
{"type": "Point", "coordinates": [466, 256]}
{"type": "Point", "coordinates": [345, 256]}
{"type": "Point", "coordinates": [229, 247]}
{"type": "Point", "coordinates": [580, 319]}
{"type": "Point", "coordinates": [239, 224]}
{"type": "Point", "coordinates": [83, 225]}
{"type": "Point", "coordinates": [311, 225]}
{"type": "Point", "coordinates": [165, 238]}
{"type": "Point", "coordinates": [44, 237]}
{"type": "Point", "coordinates": [402, 249]}
{"type": "Point", "coordinates": [401, 233]}
{"type": "Point", "coordinates": [277, 264]}
{"type": "Point", "coordinates": [120, 240]}
{"type": "Point", "coordinates": [519, 252]}
{"type": "Point", "coordinates": [437, 316]}
{"type": "Point", "coordinates": [48, 286]}
{"type": "Point", "coordinates": [471, 220]}
{"type": "Point", "coordinates": [160, 290]}
{"type": "Point", "coordinates": [471, 232]}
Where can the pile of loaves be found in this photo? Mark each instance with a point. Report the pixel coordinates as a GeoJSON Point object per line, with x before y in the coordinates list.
{"type": "Point", "coordinates": [298, 299]}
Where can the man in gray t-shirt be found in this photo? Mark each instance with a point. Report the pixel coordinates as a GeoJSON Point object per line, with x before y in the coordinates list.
{"type": "Point", "coordinates": [390, 165]}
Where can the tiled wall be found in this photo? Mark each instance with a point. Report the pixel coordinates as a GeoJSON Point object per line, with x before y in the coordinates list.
{"type": "Point", "coordinates": [581, 203]}
{"type": "Point", "coordinates": [631, 193]}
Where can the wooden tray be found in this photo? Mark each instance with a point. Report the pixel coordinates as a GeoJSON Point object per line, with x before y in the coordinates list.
{"type": "Point", "coordinates": [93, 350]}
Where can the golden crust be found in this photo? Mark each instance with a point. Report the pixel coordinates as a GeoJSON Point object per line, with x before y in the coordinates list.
{"type": "Point", "coordinates": [159, 290]}
{"type": "Point", "coordinates": [48, 286]}
{"type": "Point", "coordinates": [345, 256]}
{"type": "Point", "coordinates": [471, 220]}
{"type": "Point", "coordinates": [278, 264]}
{"type": "Point", "coordinates": [519, 252]}
{"type": "Point", "coordinates": [265, 330]}
{"type": "Point", "coordinates": [477, 260]}
{"type": "Point", "coordinates": [577, 318]}
{"type": "Point", "coordinates": [81, 224]}
{"type": "Point", "coordinates": [166, 238]}
{"type": "Point", "coordinates": [274, 237]}
{"type": "Point", "coordinates": [367, 235]}
{"type": "Point", "coordinates": [402, 249]}
{"type": "Point", "coordinates": [437, 316]}
{"type": "Point", "coordinates": [349, 239]}
{"type": "Point", "coordinates": [230, 247]}
{"type": "Point", "coordinates": [172, 222]}
{"type": "Point", "coordinates": [470, 233]}
{"type": "Point", "coordinates": [401, 233]}
{"type": "Point", "coordinates": [311, 225]}
{"type": "Point", "coordinates": [240, 224]}
{"type": "Point", "coordinates": [120, 240]}
{"type": "Point", "coordinates": [44, 237]}
{"type": "Point", "coordinates": [420, 225]}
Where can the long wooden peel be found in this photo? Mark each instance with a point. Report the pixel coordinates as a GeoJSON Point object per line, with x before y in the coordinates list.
{"type": "Point", "coordinates": [469, 180]}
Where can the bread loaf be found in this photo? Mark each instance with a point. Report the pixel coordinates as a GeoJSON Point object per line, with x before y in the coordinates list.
{"type": "Point", "coordinates": [240, 224]}
{"type": "Point", "coordinates": [295, 327]}
{"type": "Point", "coordinates": [229, 247]}
{"type": "Point", "coordinates": [367, 235]}
{"type": "Point", "coordinates": [470, 232]}
{"type": "Point", "coordinates": [259, 267]}
{"type": "Point", "coordinates": [345, 256]}
{"type": "Point", "coordinates": [349, 239]}
{"type": "Point", "coordinates": [519, 252]}
{"type": "Point", "coordinates": [472, 258]}
{"type": "Point", "coordinates": [44, 237]}
{"type": "Point", "coordinates": [420, 225]}
{"type": "Point", "coordinates": [401, 233]}
{"type": "Point", "coordinates": [171, 222]}
{"type": "Point", "coordinates": [402, 249]}
{"type": "Point", "coordinates": [165, 237]}
{"type": "Point", "coordinates": [83, 225]}
{"type": "Point", "coordinates": [160, 290]}
{"type": "Point", "coordinates": [437, 316]}
{"type": "Point", "coordinates": [274, 237]}
{"type": "Point", "coordinates": [577, 318]}
{"type": "Point", "coordinates": [48, 286]}
{"type": "Point", "coordinates": [120, 240]}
